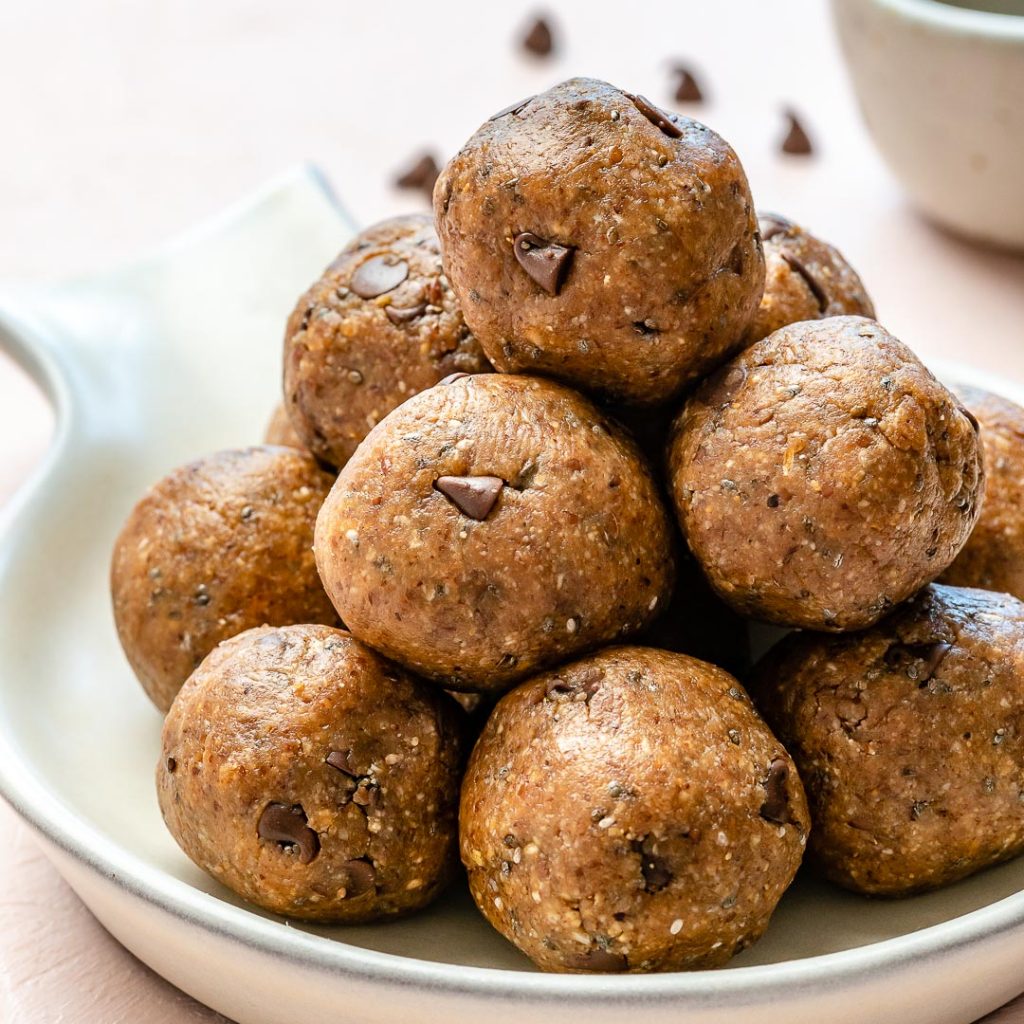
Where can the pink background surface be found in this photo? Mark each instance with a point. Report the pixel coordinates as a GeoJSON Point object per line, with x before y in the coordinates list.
{"type": "Point", "coordinates": [125, 122]}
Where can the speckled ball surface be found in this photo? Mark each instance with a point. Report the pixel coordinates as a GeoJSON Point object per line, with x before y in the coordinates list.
{"type": "Point", "coordinates": [595, 238]}
{"type": "Point", "coordinates": [630, 812]}
{"type": "Point", "coordinates": [380, 325]}
{"type": "Point", "coordinates": [805, 279]}
{"type": "Point", "coordinates": [824, 475]}
{"type": "Point", "coordinates": [493, 526]}
{"type": "Point", "coordinates": [908, 738]}
{"type": "Point", "coordinates": [216, 547]}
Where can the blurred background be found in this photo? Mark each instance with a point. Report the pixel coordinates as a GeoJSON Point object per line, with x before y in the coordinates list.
{"type": "Point", "coordinates": [124, 123]}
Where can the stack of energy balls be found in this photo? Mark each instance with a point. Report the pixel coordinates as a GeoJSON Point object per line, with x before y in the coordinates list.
{"type": "Point", "coordinates": [581, 432]}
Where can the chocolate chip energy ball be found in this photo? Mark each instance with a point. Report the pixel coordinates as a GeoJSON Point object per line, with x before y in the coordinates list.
{"type": "Point", "coordinates": [630, 812]}
{"type": "Point", "coordinates": [993, 557]}
{"type": "Point", "coordinates": [908, 738]}
{"type": "Point", "coordinates": [280, 430]}
{"type": "Point", "coordinates": [492, 526]}
{"type": "Point", "coordinates": [824, 475]}
{"type": "Point", "coordinates": [380, 325]}
{"type": "Point", "coordinates": [312, 777]}
{"type": "Point", "coordinates": [805, 279]}
{"type": "Point", "coordinates": [594, 238]}
{"type": "Point", "coordinates": [218, 546]}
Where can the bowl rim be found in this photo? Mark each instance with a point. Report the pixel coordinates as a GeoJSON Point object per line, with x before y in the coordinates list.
{"type": "Point", "coordinates": [953, 19]}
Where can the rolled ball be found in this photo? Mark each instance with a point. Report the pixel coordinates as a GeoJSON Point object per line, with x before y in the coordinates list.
{"type": "Point", "coordinates": [380, 325]}
{"type": "Point", "coordinates": [824, 475]}
{"type": "Point", "coordinates": [908, 739]}
{"type": "Point", "coordinates": [280, 430]}
{"type": "Point", "coordinates": [595, 238]}
{"type": "Point", "coordinates": [630, 812]}
{"type": "Point", "coordinates": [313, 777]}
{"type": "Point", "coordinates": [216, 547]}
{"type": "Point", "coordinates": [492, 526]}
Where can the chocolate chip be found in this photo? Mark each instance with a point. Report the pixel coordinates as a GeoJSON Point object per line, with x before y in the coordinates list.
{"type": "Point", "coordinates": [378, 275]}
{"type": "Point", "coordinates": [360, 877]}
{"type": "Point", "coordinates": [284, 824]}
{"type": "Point", "coordinates": [773, 501]}
{"type": "Point", "coordinates": [172, 765]}
{"type": "Point", "coordinates": [421, 174]}
{"type": "Point", "coordinates": [599, 960]}
{"type": "Point", "coordinates": [816, 290]}
{"type": "Point", "coordinates": [971, 418]}
{"type": "Point", "coordinates": [546, 262]}
{"type": "Point", "coordinates": [512, 108]}
{"type": "Point", "coordinates": [399, 315]}
{"type": "Point", "coordinates": [342, 761]}
{"type": "Point", "coordinates": [657, 117]}
{"type": "Point", "coordinates": [539, 40]}
{"type": "Point", "coordinates": [474, 496]}
{"type": "Point", "coordinates": [796, 141]}
{"type": "Point", "coordinates": [687, 91]}
{"type": "Point", "coordinates": [776, 804]}
{"type": "Point", "coordinates": [773, 224]}
{"type": "Point", "coordinates": [452, 378]}
{"type": "Point", "coordinates": [906, 656]}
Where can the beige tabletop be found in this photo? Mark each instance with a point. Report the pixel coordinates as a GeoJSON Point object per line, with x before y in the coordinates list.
{"type": "Point", "coordinates": [124, 122]}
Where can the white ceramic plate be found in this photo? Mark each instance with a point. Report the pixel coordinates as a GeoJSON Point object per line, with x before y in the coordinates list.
{"type": "Point", "coordinates": [178, 355]}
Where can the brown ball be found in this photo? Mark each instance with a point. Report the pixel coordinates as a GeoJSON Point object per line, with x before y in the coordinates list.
{"type": "Point", "coordinates": [312, 777]}
{"type": "Point", "coordinates": [380, 325]}
{"type": "Point", "coordinates": [280, 430]}
{"type": "Point", "coordinates": [993, 557]}
{"type": "Point", "coordinates": [594, 238]}
{"type": "Point", "coordinates": [824, 475]}
{"type": "Point", "coordinates": [218, 546]}
{"type": "Point", "coordinates": [630, 812]}
{"type": "Point", "coordinates": [908, 738]}
{"type": "Point", "coordinates": [493, 526]}
{"type": "Point", "coordinates": [805, 279]}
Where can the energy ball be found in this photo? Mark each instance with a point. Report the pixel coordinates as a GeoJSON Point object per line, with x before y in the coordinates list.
{"type": "Point", "coordinates": [492, 526]}
{"type": "Point", "coordinates": [908, 738]}
{"type": "Point", "coordinates": [993, 557]}
{"type": "Point", "coordinates": [594, 238]}
{"type": "Point", "coordinates": [805, 279]}
{"type": "Point", "coordinates": [280, 430]}
{"type": "Point", "coordinates": [380, 325]}
{"type": "Point", "coordinates": [630, 812]}
{"type": "Point", "coordinates": [824, 475]}
{"type": "Point", "coordinates": [312, 777]}
{"type": "Point", "coordinates": [217, 547]}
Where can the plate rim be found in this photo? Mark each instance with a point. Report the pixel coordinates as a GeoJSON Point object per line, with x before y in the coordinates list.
{"type": "Point", "coordinates": [31, 345]}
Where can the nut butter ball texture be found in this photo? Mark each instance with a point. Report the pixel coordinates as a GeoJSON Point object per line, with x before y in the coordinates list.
{"type": "Point", "coordinates": [380, 325]}
{"type": "Point", "coordinates": [218, 546]}
{"type": "Point", "coordinates": [630, 812]}
{"type": "Point", "coordinates": [993, 557]}
{"type": "Point", "coordinates": [908, 739]}
{"type": "Point", "coordinates": [313, 777]}
{"type": "Point", "coordinates": [824, 475]}
{"type": "Point", "coordinates": [491, 526]}
{"type": "Point", "coordinates": [595, 238]}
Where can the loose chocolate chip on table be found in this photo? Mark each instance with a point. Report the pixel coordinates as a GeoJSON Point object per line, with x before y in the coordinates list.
{"type": "Point", "coordinates": [546, 262]}
{"type": "Point", "coordinates": [796, 141]}
{"type": "Point", "coordinates": [776, 805]}
{"type": "Point", "coordinates": [378, 275]}
{"type": "Point", "coordinates": [421, 174]}
{"type": "Point", "coordinates": [286, 824]}
{"type": "Point", "coordinates": [474, 496]}
{"type": "Point", "coordinates": [816, 290]}
{"type": "Point", "coordinates": [657, 117]}
{"type": "Point", "coordinates": [404, 314]}
{"type": "Point", "coordinates": [512, 108]}
{"type": "Point", "coordinates": [539, 39]}
{"type": "Point", "coordinates": [687, 90]}
{"type": "Point", "coordinates": [361, 878]}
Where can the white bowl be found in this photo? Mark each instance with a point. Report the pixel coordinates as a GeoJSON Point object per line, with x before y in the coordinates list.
{"type": "Point", "coordinates": [179, 355]}
{"type": "Point", "coordinates": [942, 90]}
